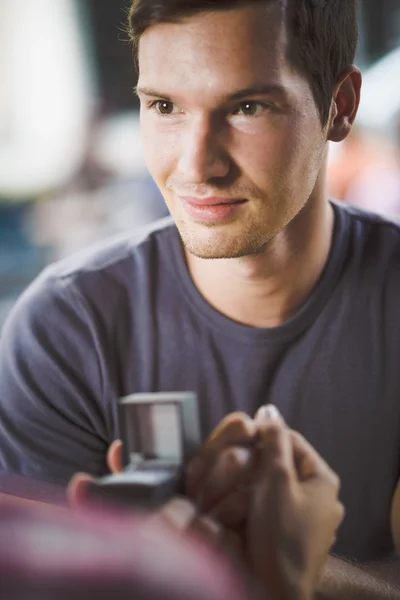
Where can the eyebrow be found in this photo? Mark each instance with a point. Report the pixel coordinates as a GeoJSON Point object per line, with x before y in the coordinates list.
{"type": "Point", "coordinates": [256, 90]}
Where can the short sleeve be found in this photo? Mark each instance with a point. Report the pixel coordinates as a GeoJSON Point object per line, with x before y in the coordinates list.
{"type": "Point", "coordinates": [52, 385]}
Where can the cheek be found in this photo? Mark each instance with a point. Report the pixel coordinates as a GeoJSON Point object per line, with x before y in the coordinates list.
{"type": "Point", "coordinates": [283, 161]}
{"type": "Point", "coordinates": [292, 151]}
{"type": "Point", "coordinates": [308, 152]}
{"type": "Point", "coordinates": [266, 156]}
{"type": "Point", "coordinates": [159, 151]}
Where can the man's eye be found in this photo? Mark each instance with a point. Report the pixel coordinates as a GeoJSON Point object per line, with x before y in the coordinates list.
{"type": "Point", "coordinates": [164, 107]}
{"type": "Point", "coordinates": [250, 109]}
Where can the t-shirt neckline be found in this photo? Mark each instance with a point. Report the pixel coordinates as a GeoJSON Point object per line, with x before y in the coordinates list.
{"type": "Point", "coordinates": [305, 316]}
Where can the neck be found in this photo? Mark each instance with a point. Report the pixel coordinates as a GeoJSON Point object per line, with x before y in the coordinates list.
{"type": "Point", "coordinates": [267, 289]}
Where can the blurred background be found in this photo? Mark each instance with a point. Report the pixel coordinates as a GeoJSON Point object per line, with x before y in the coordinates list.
{"type": "Point", "coordinates": [71, 167]}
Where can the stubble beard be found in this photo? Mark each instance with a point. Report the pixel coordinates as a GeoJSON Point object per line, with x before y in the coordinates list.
{"type": "Point", "coordinates": [214, 246]}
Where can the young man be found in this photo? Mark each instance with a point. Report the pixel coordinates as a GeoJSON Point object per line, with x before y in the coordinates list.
{"type": "Point", "coordinates": [275, 295]}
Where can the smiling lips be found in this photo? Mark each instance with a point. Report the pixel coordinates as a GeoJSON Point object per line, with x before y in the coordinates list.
{"type": "Point", "coordinates": [212, 209]}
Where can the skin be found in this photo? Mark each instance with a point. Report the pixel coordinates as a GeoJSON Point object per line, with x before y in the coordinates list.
{"type": "Point", "coordinates": [268, 147]}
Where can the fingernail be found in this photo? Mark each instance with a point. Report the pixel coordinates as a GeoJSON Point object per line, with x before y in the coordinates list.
{"type": "Point", "coordinates": [180, 512]}
{"type": "Point", "coordinates": [269, 412]}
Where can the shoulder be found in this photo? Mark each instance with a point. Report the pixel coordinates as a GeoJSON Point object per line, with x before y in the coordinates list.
{"type": "Point", "coordinates": [373, 237]}
{"type": "Point", "coordinates": [110, 254]}
{"type": "Point", "coordinates": [369, 220]}
{"type": "Point", "coordinates": [115, 260]}
{"type": "Point", "coordinates": [77, 289]}
{"type": "Point", "coordinates": [372, 257]}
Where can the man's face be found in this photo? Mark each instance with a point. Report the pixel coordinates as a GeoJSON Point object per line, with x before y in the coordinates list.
{"type": "Point", "coordinates": [231, 132]}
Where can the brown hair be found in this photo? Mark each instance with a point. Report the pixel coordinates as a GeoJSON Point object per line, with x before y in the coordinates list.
{"type": "Point", "coordinates": [322, 41]}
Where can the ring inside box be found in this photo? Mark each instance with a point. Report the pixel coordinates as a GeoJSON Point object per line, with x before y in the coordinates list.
{"type": "Point", "coordinates": [155, 432]}
{"type": "Point", "coordinates": [159, 426]}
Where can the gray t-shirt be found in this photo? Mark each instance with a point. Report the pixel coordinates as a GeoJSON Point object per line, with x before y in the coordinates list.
{"type": "Point", "coordinates": [126, 317]}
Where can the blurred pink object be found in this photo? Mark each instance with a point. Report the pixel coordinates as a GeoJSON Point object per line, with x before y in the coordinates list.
{"type": "Point", "coordinates": [55, 554]}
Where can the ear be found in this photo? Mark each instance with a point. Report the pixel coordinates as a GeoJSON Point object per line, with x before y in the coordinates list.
{"type": "Point", "coordinates": [346, 99]}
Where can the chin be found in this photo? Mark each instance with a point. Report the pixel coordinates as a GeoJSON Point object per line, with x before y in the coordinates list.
{"type": "Point", "coordinates": [221, 249]}
{"type": "Point", "coordinates": [229, 240]}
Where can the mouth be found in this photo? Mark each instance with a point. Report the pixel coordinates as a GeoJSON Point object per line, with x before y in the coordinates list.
{"type": "Point", "coordinates": [211, 201]}
{"type": "Point", "coordinates": [212, 209]}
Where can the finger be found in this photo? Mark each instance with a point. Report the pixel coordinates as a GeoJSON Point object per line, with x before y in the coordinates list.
{"type": "Point", "coordinates": [340, 513]}
{"type": "Point", "coordinates": [233, 510]}
{"type": "Point", "coordinates": [275, 452]}
{"type": "Point", "coordinates": [268, 412]}
{"type": "Point", "coordinates": [214, 534]}
{"type": "Point", "coordinates": [114, 457]}
{"type": "Point", "coordinates": [232, 544]}
{"type": "Point", "coordinates": [208, 529]}
{"type": "Point", "coordinates": [78, 490]}
{"type": "Point", "coordinates": [179, 513]}
{"type": "Point", "coordinates": [232, 468]}
{"type": "Point", "coordinates": [309, 463]}
{"type": "Point", "coordinates": [236, 428]}
{"type": "Point", "coordinates": [272, 436]}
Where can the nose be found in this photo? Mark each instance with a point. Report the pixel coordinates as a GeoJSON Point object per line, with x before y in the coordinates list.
{"type": "Point", "coordinates": [203, 156]}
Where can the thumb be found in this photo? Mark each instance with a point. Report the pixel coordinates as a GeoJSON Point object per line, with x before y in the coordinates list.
{"type": "Point", "coordinates": [114, 457]}
{"type": "Point", "coordinates": [78, 490]}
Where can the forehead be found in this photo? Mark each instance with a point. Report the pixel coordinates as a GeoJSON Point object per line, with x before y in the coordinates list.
{"type": "Point", "coordinates": [217, 49]}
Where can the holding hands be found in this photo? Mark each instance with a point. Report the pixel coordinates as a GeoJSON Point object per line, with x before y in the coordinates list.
{"type": "Point", "coordinates": [271, 487]}
{"type": "Point", "coordinates": [259, 490]}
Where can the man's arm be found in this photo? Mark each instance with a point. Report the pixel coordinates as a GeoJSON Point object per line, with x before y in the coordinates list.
{"type": "Point", "coordinates": [342, 580]}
